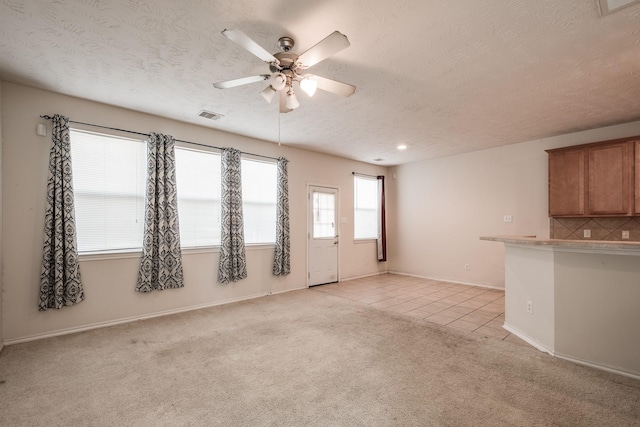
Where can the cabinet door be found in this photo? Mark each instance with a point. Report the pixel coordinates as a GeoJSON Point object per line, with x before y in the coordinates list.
{"type": "Point", "coordinates": [637, 179]}
{"type": "Point", "coordinates": [611, 179]}
{"type": "Point", "coordinates": [567, 180]}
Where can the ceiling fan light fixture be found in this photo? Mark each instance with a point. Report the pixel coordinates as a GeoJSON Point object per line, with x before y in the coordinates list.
{"type": "Point", "coordinates": [292, 101]}
{"type": "Point", "coordinates": [309, 85]}
{"type": "Point", "coordinates": [268, 93]}
{"type": "Point", "coordinates": [279, 81]}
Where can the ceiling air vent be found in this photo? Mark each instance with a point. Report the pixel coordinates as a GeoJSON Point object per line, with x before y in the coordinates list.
{"type": "Point", "coordinates": [210, 115]}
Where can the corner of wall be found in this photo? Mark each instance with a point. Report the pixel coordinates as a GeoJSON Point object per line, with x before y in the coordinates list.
{"type": "Point", "coordinates": [1, 257]}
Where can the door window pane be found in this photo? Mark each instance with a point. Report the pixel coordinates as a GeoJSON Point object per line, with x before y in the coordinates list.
{"type": "Point", "coordinates": [324, 205]}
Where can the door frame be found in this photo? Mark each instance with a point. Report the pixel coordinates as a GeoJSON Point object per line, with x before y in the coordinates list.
{"type": "Point", "coordinates": [309, 227]}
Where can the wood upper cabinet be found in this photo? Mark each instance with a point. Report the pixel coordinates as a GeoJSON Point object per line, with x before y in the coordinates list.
{"type": "Point", "coordinates": [595, 179]}
{"type": "Point", "coordinates": [637, 179]}
{"type": "Point", "coordinates": [611, 179]}
{"type": "Point", "coordinates": [567, 182]}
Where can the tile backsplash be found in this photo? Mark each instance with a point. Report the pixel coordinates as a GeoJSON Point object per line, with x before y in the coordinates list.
{"type": "Point", "coordinates": [609, 229]}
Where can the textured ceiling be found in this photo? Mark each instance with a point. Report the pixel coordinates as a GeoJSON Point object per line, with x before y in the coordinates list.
{"type": "Point", "coordinates": [443, 77]}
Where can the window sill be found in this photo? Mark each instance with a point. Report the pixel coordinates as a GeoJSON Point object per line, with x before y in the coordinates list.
{"type": "Point", "coordinates": [358, 241]}
{"type": "Point", "coordinates": [137, 253]}
{"type": "Point", "coordinates": [121, 254]}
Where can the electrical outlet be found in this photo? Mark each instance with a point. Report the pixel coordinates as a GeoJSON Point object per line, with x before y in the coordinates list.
{"type": "Point", "coordinates": [625, 235]}
{"type": "Point", "coordinates": [507, 218]}
{"type": "Point", "coordinates": [467, 267]}
{"type": "Point", "coordinates": [530, 307]}
{"type": "Point", "coordinates": [587, 233]}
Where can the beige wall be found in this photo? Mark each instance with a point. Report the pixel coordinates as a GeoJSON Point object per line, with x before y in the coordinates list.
{"type": "Point", "coordinates": [585, 303]}
{"type": "Point", "coordinates": [598, 309]}
{"type": "Point", "coordinates": [109, 283]}
{"type": "Point", "coordinates": [529, 274]}
{"type": "Point", "coordinates": [1, 259]}
{"type": "Point", "coordinates": [442, 206]}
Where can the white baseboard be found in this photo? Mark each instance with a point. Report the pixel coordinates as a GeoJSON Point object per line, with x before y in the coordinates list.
{"type": "Point", "coordinates": [633, 375]}
{"type": "Point", "coordinates": [440, 279]}
{"type": "Point", "coordinates": [543, 348]}
{"type": "Point", "coordinates": [346, 279]}
{"type": "Point", "coordinates": [524, 337]}
{"type": "Point", "coordinates": [120, 321]}
{"type": "Point", "coordinates": [288, 290]}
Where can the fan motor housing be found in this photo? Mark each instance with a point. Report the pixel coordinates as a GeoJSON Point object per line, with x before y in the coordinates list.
{"type": "Point", "coordinates": [288, 61]}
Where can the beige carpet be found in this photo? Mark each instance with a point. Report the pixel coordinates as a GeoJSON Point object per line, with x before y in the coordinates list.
{"type": "Point", "coordinates": [301, 358]}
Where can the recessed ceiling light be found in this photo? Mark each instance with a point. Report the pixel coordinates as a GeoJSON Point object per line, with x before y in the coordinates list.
{"type": "Point", "coordinates": [402, 147]}
{"type": "Point", "coordinates": [378, 159]}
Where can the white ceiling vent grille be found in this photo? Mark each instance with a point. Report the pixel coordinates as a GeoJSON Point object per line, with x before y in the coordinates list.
{"type": "Point", "coordinates": [609, 6]}
{"type": "Point", "coordinates": [210, 115]}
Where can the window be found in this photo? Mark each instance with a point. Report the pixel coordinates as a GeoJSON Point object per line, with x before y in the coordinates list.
{"type": "Point", "coordinates": [365, 223]}
{"type": "Point", "coordinates": [259, 195]}
{"type": "Point", "coordinates": [198, 182]}
{"type": "Point", "coordinates": [109, 177]}
{"type": "Point", "coordinates": [198, 175]}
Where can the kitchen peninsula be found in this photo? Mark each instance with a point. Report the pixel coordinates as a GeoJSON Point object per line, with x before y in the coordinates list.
{"type": "Point", "coordinates": [575, 299]}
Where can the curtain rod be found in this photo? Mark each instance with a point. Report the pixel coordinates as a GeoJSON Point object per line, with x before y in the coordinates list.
{"type": "Point", "coordinates": [46, 117]}
{"type": "Point", "coordinates": [364, 174]}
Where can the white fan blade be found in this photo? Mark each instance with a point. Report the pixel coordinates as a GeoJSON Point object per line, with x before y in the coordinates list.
{"type": "Point", "coordinates": [243, 81]}
{"type": "Point", "coordinates": [283, 102]}
{"type": "Point", "coordinates": [334, 86]}
{"type": "Point", "coordinates": [243, 40]}
{"type": "Point", "coordinates": [326, 47]}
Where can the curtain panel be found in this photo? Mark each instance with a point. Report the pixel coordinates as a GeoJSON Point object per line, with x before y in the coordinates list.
{"type": "Point", "coordinates": [161, 264]}
{"type": "Point", "coordinates": [60, 280]}
{"type": "Point", "coordinates": [282, 256]}
{"type": "Point", "coordinates": [233, 263]}
{"type": "Point", "coordinates": [382, 224]}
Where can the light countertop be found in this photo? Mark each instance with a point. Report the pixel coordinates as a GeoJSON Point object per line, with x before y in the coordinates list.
{"type": "Point", "coordinates": [589, 245]}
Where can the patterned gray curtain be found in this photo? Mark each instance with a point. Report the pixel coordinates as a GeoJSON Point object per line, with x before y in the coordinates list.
{"type": "Point", "coordinates": [282, 257]}
{"type": "Point", "coordinates": [233, 264]}
{"type": "Point", "coordinates": [60, 281]}
{"type": "Point", "coordinates": [161, 265]}
{"type": "Point", "coordinates": [382, 223]}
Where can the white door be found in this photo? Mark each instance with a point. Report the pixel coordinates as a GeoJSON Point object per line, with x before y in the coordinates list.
{"type": "Point", "coordinates": [323, 235]}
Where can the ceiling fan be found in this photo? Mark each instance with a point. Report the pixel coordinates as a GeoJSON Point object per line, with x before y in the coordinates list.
{"type": "Point", "coordinates": [287, 67]}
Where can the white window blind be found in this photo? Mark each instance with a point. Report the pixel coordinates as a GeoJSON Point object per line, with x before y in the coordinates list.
{"type": "Point", "coordinates": [109, 174]}
{"type": "Point", "coordinates": [365, 223]}
{"type": "Point", "coordinates": [259, 195]}
{"type": "Point", "coordinates": [198, 180]}
{"type": "Point", "coordinates": [109, 178]}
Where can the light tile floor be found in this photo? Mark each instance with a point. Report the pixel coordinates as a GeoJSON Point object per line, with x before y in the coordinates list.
{"type": "Point", "coordinates": [471, 309]}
